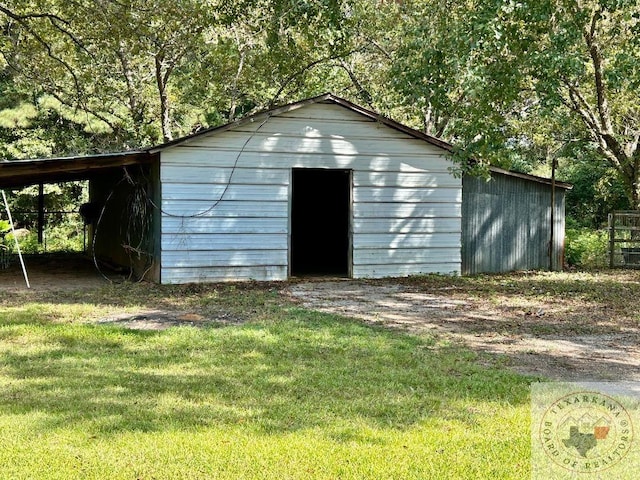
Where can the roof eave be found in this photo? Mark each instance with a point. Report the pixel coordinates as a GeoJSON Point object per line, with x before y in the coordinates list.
{"type": "Point", "coordinates": [534, 178]}
{"type": "Point", "coordinates": [19, 173]}
{"type": "Point", "coordinates": [391, 123]}
{"type": "Point", "coordinates": [256, 117]}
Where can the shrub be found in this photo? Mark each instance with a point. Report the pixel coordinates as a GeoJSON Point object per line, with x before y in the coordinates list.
{"type": "Point", "coordinates": [66, 236]}
{"type": "Point", "coordinates": [587, 248]}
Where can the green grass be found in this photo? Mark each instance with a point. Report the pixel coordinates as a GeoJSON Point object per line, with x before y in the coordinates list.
{"type": "Point", "coordinates": [289, 393]}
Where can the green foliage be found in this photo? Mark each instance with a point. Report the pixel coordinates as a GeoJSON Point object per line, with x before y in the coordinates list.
{"type": "Point", "coordinates": [58, 197]}
{"type": "Point", "coordinates": [63, 231]}
{"type": "Point", "coordinates": [512, 84]}
{"type": "Point", "coordinates": [18, 117]}
{"type": "Point", "coordinates": [528, 80]}
{"type": "Point", "coordinates": [586, 248]}
{"type": "Point", "coordinates": [597, 191]}
{"type": "Point", "coordinates": [65, 236]}
{"type": "Point", "coordinates": [35, 125]}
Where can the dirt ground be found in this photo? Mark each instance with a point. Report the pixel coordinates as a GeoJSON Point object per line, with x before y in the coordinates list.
{"type": "Point", "coordinates": [554, 336]}
{"type": "Point", "coordinates": [55, 272]}
{"type": "Point", "coordinates": [529, 338]}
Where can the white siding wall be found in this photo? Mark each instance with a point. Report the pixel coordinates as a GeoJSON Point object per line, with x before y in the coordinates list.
{"type": "Point", "coordinates": [406, 205]}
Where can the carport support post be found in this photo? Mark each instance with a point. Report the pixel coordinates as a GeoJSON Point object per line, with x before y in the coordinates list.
{"type": "Point", "coordinates": [40, 213]}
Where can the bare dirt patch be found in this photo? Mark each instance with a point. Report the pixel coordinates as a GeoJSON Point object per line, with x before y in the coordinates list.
{"type": "Point", "coordinates": [163, 319]}
{"type": "Point", "coordinates": [58, 271]}
{"type": "Point", "coordinates": [558, 335]}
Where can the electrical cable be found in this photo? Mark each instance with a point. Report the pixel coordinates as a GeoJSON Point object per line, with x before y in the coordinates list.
{"type": "Point", "coordinates": [227, 185]}
{"type": "Point", "coordinates": [96, 229]}
{"type": "Point", "coordinates": [149, 200]}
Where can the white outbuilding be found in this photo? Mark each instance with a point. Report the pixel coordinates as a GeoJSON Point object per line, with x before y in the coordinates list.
{"type": "Point", "coordinates": [322, 186]}
{"type": "Point", "coordinates": [318, 187]}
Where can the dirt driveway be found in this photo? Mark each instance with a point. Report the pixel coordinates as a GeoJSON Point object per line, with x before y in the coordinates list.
{"type": "Point", "coordinates": [555, 336]}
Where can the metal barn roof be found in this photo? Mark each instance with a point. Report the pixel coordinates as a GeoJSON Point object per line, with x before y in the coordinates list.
{"type": "Point", "coordinates": [17, 173]}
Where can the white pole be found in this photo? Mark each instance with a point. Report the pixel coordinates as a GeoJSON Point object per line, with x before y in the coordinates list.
{"type": "Point", "coordinates": [24, 269]}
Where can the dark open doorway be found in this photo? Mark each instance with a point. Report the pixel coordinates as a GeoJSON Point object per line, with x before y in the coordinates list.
{"type": "Point", "coordinates": [320, 213]}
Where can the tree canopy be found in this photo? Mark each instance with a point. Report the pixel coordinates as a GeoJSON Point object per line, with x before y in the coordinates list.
{"type": "Point", "coordinates": [512, 83]}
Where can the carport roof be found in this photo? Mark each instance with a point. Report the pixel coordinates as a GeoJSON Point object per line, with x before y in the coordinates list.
{"type": "Point", "coordinates": [20, 173]}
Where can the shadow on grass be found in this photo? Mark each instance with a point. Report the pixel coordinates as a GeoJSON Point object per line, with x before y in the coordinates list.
{"type": "Point", "coordinates": [285, 370]}
{"type": "Point", "coordinates": [295, 370]}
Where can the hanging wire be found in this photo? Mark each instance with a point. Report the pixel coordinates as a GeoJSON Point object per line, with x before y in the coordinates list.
{"type": "Point", "coordinates": [141, 197]}
{"type": "Point", "coordinates": [136, 225]}
{"type": "Point", "coordinates": [226, 187]}
{"type": "Point", "coordinates": [97, 227]}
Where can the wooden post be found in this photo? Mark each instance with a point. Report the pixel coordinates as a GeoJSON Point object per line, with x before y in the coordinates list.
{"type": "Point", "coordinates": [40, 213]}
{"type": "Point", "coordinates": [552, 239]}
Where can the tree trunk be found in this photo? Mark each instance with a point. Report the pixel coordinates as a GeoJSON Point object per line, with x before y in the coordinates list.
{"type": "Point", "coordinates": [164, 101]}
{"type": "Point", "coordinates": [635, 195]}
{"type": "Point", "coordinates": [137, 112]}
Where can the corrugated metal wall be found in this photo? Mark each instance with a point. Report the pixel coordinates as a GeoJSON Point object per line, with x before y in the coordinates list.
{"type": "Point", "coordinates": [506, 225]}
{"type": "Point", "coordinates": [405, 213]}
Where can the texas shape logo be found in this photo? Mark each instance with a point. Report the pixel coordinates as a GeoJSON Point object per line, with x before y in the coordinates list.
{"type": "Point", "coordinates": [586, 432]}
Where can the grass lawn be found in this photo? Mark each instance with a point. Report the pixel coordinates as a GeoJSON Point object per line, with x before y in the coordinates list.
{"type": "Point", "coordinates": [286, 393]}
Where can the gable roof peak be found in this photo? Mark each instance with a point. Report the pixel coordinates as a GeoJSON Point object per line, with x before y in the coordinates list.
{"type": "Point", "coordinates": [327, 97]}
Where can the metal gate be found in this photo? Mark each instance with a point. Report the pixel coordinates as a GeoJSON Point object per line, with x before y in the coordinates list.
{"type": "Point", "coordinates": [624, 239]}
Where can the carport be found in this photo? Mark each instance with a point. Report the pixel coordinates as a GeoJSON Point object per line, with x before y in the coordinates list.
{"type": "Point", "coordinates": [112, 179]}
